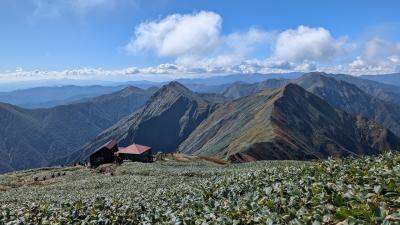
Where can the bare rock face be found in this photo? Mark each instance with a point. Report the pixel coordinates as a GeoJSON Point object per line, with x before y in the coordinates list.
{"type": "Point", "coordinates": [288, 123]}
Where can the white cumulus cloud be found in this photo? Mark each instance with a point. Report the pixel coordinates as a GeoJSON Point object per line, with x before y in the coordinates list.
{"type": "Point", "coordinates": [196, 44]}
{"type": "Point", "coordinates": [178, 34]}
{"type": "Point", "coordinates": [378, 56]}
{"type": "Point", "coordinates": [378, 49]}
{"type": "Point", "coordinates": [195, 40]}
{"type": "Point", "coordinates": [308, 43]}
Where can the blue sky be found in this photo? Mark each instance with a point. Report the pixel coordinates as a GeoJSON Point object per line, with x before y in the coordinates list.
{"type": "Point", "coordinates": [75, 38]}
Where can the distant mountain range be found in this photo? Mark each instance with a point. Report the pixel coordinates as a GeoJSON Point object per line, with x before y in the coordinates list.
{"type": "Point", "coordinates": [248, 78]}
{"type": "Point", "coordinates": [238, 117]}
{"type": "Point", "coordinates": [356, 98]}
{"type": "Point", "coordinates": [241, 89]}
{"type": "Point", "coordinates": [392, 79]}
{"type": "Point", "coordinates": [386, 92]}
{"type": "Point", "coordinates": [46, 97]}
{"type": "Point", "coordinates": [50, 96]}
{"type": "Point", "coordinates": [39, 137]}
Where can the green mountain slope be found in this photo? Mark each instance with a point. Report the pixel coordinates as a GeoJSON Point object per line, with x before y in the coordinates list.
{"type": "Point", "coordinates": [166, 120]}
{"type": "Point", "coordinates": [351, 99]}
{"type": "Point", "coordinates": [339, 93]}
{"type": "Point", "coordinates": [386, 92]}
{"type": "Point", "coordinates": [288, 123]}
{"type": "Point", "coordinates": [39, 137]}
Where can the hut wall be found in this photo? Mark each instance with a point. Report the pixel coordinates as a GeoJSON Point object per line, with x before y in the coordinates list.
{"type": "Point", "coordinates": [102, 156]}
{"type": "Point", "coordinates": [144, 157]}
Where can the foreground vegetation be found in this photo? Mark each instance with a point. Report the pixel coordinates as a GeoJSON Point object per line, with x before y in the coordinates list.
{"type": "Point", "coordinates": [351, 191]}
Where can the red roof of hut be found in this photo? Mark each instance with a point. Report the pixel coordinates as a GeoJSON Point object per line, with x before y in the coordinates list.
{"type": "Point", "coordinates": [109, 145]}
{"type": "Point", "coordinates": [134, 149]}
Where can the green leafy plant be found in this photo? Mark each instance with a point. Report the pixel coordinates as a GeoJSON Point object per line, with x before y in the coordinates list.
{"type": "Point", "coordinates": [363, 190]}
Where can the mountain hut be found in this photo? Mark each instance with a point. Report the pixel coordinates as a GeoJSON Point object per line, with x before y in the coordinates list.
{"type": "Point", "coordinates": [136, 153]}
{"type": "Point", "coordinates": [104, 154]}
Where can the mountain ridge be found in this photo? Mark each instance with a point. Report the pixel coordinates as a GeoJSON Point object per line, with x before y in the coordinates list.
{"type": "Point", "coordinates": [256, 123]}
{"type": "Point", "coordinates": [167, 118]}
{"type": "Point", "coordinates": [352, 99]}
{"type": "Point", "coordinates": [267, 130]}
{"type": "Point", "coordinates": [340, 94]}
